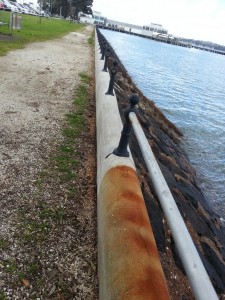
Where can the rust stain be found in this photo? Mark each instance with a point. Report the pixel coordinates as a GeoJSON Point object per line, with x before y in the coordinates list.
{"type": "Point", "coordinates": [133, 268]}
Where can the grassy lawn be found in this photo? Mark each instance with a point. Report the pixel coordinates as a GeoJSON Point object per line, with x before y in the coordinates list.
{"type": "Point", "coordinates": [33, 29]}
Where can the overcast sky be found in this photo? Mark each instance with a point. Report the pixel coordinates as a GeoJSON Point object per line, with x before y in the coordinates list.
{"type": "Point", "coordinates": [198, 19]}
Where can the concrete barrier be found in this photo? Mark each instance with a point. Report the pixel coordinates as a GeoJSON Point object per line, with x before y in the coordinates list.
{"type": "Point", "coordinates": [128, 261]}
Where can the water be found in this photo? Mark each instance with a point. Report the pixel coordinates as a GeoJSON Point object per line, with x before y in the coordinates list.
{"type": "Point", "coordinates": [188, 85]}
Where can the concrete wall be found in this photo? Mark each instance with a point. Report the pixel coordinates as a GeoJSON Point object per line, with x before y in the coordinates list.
{"type": "Point", "coordinates": [128, 260]}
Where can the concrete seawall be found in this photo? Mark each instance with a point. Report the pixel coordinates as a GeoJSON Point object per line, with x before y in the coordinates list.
{"type": "Point", "coordinates": [205, 227]}
{"type": "Point", "coordinates": [128, 261]}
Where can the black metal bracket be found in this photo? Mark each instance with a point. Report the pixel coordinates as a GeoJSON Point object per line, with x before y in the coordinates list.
{"type": "Point", "coordinates": [106, 60]}
{"type": "Point", "coordinates": [121, 150]}
{"type": "Point", "coordinates": [113, 72]}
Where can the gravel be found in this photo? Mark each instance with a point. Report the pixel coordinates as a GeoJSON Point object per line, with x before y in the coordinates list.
{"type": "Point", "coordinates": [47, 236]}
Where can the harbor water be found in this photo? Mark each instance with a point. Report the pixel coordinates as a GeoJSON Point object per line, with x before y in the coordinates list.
{"type": "Point", "coordinates": [188, 85]}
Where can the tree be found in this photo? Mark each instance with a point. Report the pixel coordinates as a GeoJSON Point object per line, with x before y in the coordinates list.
{"type": "Point", "coordinates": [61, 7]}
{"type": "Point", "coordinates": [81, 6]}
{"type": "Point", "coordinates": [46, 5]}
{"type": "Point", "coordinates": [71, 7]}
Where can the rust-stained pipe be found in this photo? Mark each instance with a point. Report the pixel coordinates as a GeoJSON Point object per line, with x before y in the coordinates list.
{"type": "Point", "coordinates": [129, 257]}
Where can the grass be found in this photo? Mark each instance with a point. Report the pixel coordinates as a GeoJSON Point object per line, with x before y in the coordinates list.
{"type": "Point", "coordinates": [35, 227]}
{"type": "Point", "coordinates": [66, 157]}
{"type": "Point", "coordinates": [3, 244]}
{"type": "Point", "coordinates": [36, 222]}
{"type": "Point", "coordinates": [2, 296]}
{"type": "Point", "coordinates": [33, 31]}
{"type": "Point", "coordinates": [9, 266]}
{"type": "Point", "coordinates": [91, 40]}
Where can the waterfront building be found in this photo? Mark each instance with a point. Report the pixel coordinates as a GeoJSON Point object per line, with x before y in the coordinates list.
{"type": "Point", "coordinates": [97, 18]}
{"type": "Point", "coordinates": [156, 31]}
{"type": "Point", "coordinates": [153, 30]}
{"type": "Point", "coordinates": [123, 26]}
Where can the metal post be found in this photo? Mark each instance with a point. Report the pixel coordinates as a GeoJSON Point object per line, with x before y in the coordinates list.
{"type": "Point", "coordinates": [106, 60]}
{"type": "Point", "coordinates": [121, 150]}
{"type": "Point", "coordinates": [103, 51]}
{"type": "Point", "coordinates": [40, 11]}
{"type": "Point", "coordinates": [113, 72]}
{"type": "Point", "coordinates": [101, 41]}
{"type": "Point", "coordinates": [11, 23]}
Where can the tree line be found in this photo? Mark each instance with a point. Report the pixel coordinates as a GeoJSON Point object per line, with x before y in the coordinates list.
{"type": "Point", "coordinates": [67, 8]}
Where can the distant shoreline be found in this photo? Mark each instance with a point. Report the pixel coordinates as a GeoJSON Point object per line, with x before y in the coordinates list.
{"type": "Point", "coordinates": [167, 41]}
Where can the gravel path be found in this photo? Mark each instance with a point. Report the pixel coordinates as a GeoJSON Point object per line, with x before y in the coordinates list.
{"type": "Point", "coordinates": [47, 233]}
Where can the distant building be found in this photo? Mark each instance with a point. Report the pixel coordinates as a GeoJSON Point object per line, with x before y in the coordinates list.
{"type": "Point", "coordinates": [123, 26]}
{"type": "Point", "coordinates": [83, 18]}
{"type": "Point", "coordinates": [154, 30]}
{"type": "Point", "coordinates": [157, 31]}
{"type": "Point", "coordinates": [97, 18]}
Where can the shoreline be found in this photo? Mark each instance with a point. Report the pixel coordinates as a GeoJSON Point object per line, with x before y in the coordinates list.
{"type": "Point", "coordinates": [204, 225]}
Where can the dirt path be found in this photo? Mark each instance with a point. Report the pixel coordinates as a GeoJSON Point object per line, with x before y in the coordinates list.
{"type": "Point", "coordinates": [47, 228]}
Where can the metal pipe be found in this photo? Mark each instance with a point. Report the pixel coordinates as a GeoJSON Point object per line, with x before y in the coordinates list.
{"type": "Point", "coordinates": [198, 277]}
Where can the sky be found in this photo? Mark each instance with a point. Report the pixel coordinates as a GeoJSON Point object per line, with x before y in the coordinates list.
{"type": "Point", "coordinates": [197, 19]}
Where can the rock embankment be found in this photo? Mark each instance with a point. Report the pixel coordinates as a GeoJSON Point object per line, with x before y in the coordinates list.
{"type": "Point", "coordinates": [204, 225]}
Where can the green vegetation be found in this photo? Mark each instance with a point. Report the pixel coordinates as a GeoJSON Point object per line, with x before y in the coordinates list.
{"type": "Point", "coordinates": [3, 244]}
{"type": "Point", "coordinates": [33, 30]}
{"type": "Point", "coordinates": [36, 226]}
{"type": "Point", "coordinates": [36, 221]}
{"type": "Point", "coordinates": [2, 296]}
{"type": "Point", "coordinates": [9, 266]}
{"type": "Point", "coordinates": [91, 40]}
{"type": "Point", "coordinates": [66, 158]}
{"type": "Point", "coordinates": [72, 7]}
